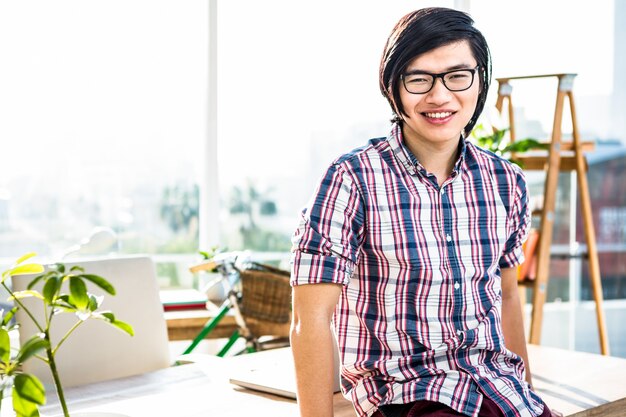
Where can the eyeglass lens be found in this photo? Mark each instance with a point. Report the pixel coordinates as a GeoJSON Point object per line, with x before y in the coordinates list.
{"type": "Point", "coordinates": [454, 81]}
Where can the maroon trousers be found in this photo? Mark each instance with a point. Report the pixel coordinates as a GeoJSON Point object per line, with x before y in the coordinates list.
{"type": "Point", "coordinates": [434, 409]}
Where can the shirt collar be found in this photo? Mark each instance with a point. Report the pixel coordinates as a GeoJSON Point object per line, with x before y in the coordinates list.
{"type": "Point", "coordinates": [409, 161]}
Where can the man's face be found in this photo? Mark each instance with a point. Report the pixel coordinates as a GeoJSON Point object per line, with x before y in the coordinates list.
{"type": "Point", "coordinates": [439, 116]}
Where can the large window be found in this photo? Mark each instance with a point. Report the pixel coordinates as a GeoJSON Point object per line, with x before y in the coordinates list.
{"type": "Point", "coordinates": [102, 113]}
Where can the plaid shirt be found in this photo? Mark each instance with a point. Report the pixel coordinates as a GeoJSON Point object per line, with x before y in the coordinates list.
{"type": "Point", "coordinates": [419, 316]}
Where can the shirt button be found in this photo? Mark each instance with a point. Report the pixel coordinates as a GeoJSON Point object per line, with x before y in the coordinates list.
{"type": "Point", "coordinates": [459, 333]}
{"type": "Point", "coordinates": [449, 238]}
{"type": "Point", "coordinates": [456, 285]}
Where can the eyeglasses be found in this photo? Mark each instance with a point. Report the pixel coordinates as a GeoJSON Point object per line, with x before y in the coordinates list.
{"type": "Point", "coordinates": [422, 82]}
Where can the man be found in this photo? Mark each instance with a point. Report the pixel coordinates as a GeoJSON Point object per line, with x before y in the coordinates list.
{"type": "Point", "coordinates": [409, 246]}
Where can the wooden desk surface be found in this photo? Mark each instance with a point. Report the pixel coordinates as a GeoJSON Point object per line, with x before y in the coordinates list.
{"type": "Point", "coordinates": [577, 384]}
{"type": "Point", "coordinates": [194, 390]}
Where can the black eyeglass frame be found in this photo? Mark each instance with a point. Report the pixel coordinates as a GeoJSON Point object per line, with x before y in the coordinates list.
{"type": "Point", "coordinates": [441, 75]}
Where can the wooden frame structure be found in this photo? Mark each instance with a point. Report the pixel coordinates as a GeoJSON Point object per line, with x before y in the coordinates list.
{"type": "Point", "coordinates": [561, 156]}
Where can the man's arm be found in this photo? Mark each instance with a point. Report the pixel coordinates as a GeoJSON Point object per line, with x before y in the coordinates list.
{"type": "Point", "coordinates": [512, 318]}
{"type": "Point", "coordinates": [312, 346]}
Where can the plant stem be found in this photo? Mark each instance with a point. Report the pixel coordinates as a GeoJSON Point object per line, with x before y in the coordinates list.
{"type": "Point", "coordinates": [41, 358]}
{"type": "Point", "coordinates": [55, 376]}
{"type": "Point", "coordinates": [78, 323]}
{"type": "Point", "coordinates": [23, 307]}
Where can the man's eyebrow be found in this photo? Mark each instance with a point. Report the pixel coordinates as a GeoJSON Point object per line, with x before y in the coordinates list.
{"type": "Point", "coordinates": [452, 68]}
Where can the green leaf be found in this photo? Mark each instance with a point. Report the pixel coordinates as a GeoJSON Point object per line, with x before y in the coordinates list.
{"type": "Point", "coordinates": [78, 291]}
{"type": "Point", "coordinates": [100, 282]}
{"type": "Point", "coordinates": [63, 301]}
{"type": "Point", "coordinates": [22, 270]}
{"type": "Point", "coordinates": [110, 317]}
{"type": "Point", "coordinates": [525, 145]}
{"type": "Point", "coordinates": [25, 294]}
{"type": "Point", "coordinates": [31, 348]}
{"type": "Point", "coordinates": [25, 257]}
{"type": "Point", "coordinates": [27, 269]}
{"type": "Point", "coordinates": [30, 388]}
{"type": "Point", "coordinates": [51, 289]}
{"type": "Point", "coordinates": [23, 407]}
{"type": "Point", "coordinates": [35, 280]}
{"type": "Point", "coordinates": [6, 318]}
{"type": "Point", "coordinates": [5, 346]}
{"type": "Point", "coordinates": [58, 267]}
{"type": "Point", "coordinates": [64, 308]}
{"type": "Point", "coordinates": [94, 302]}
{"type": "Point", "coordinates": [77, 268]}
{"type": "Point", "coordinates": [125, 327]}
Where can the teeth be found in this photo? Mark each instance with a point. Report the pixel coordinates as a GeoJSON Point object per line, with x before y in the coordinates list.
{"type": "Point", "coordinates": [438, 115]}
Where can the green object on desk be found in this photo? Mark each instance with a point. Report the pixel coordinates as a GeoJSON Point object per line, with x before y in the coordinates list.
{"type": "Point", "coordinates": [229, 344]}
{"type": "Point", "coordinates": [209, 326]}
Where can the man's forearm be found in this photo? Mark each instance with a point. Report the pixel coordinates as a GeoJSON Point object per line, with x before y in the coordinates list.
{"type": "Point", "coordinates": [513, 320]}
{"type": "Point", "coordinates": [313, 358]}
{"type": "Point", "coordinates": [513, 329]}
{"type": "Point", "coordinates": [312, 345]}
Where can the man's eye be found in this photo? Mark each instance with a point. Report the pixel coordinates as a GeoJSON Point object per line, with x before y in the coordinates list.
{"type": "Point", "coordinates": [458, 76]}
{"type": "Point", "coordinates": [417, 79]}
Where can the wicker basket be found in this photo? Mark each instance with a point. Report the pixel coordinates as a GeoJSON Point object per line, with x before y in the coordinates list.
{"type": "Point", "coordinates": [266, 300]}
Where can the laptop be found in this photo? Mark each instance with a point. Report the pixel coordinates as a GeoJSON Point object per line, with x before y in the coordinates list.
{"type": "Point", "coordinates": [97, 351]}
{"type": "Point", "coordinates": [272, 371]}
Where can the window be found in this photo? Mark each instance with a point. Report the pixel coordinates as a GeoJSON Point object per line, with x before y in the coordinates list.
{"type": "Point", "coordinates": [102, 111]}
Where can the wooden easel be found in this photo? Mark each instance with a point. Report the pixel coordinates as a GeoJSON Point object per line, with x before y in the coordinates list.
{"type": "Point", "coordinates": [564, 156]}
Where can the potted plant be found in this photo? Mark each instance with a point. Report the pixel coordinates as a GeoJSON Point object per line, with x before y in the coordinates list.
{"type": "Point", "coordinates": [27, 390]}
{"type": "Point", "coordinates": [496, 142]}
{"type": "Point", "coordinates": [212, 281]}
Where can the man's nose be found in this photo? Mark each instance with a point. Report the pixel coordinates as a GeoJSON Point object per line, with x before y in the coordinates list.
{"type": "Point", "coordinates": [439, 91]}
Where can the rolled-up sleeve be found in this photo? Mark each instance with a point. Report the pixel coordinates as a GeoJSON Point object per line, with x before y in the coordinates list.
{"type": "Point", "coordinates": [327, 242]}
{"type": "Point", "coordinates": [518, 225]}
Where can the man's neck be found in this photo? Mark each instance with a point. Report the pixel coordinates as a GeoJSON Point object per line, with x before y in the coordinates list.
{"type": "Point", "coordinates": [438, 160]}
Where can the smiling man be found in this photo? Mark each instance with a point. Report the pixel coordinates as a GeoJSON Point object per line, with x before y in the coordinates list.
{"type": "Point", "coordinates": [409, 247]}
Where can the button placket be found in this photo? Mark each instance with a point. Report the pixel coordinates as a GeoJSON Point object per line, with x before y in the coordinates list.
{"type": "Point", "coordinates": [444, 197]}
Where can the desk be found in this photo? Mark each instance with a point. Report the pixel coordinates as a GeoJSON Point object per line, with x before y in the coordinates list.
{"type": "Point", "coordinates": [579, 384]}
{"type": "Point", "coordinates": [571, 382]}
{"type": "Point", "coordinates": [193, 390]}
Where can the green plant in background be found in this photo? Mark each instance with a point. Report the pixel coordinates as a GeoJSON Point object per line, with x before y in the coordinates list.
{"type": "Point", "coordinates": [210, 254]}
{"type": "Point", "coordinates": [28, 391]}
{"type": "Point", "coordinates": [496, 143]}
